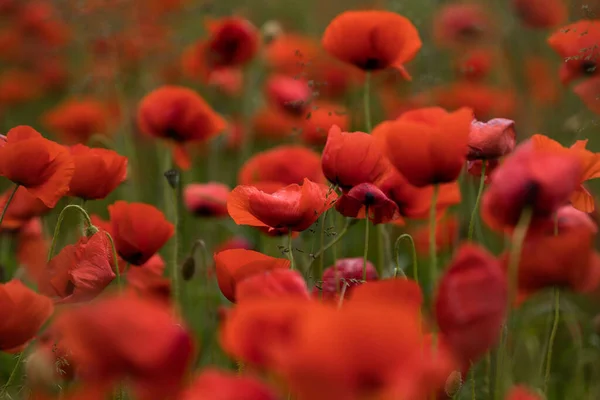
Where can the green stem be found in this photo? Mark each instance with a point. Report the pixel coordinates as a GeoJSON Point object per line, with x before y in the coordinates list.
{"type": "Point", "coordinates": [381, 259]}
{"type": "Point", "coordinates": [432, 236]}
{"type": "Point", "coordinates": [414, 254]}
{"type": "Point", "coordinates": [175, 247]}
{"type": "Point", "coordinates": [477, 200]}
{"type": "Point", "coordinates": [12, 375]}
{"type": "Point", "coordinates": [322, 256]}
{"type": "Point", "coordinates": [337, 238]}
{"type": "Point", "coordinates": [291, 250]}
{"type": "Point", "coordinates": [61, 217]}
{"type": "Point", "coordinates": [367, 102]}
{"type": "Point", "coordinates": [514, 257]}
{"type": "Point", "coordinates": [115, 260]}
{"type": "Point", "coordinates": [10, 197]}
{"type": "Point", "coordinates": [473, 383]}
{"type": "Point", "coordinates": [552, 338]}
{"type": "Point", "coordinates": [366, 252]}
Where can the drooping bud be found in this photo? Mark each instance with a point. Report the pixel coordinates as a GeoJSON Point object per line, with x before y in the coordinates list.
{"type": "Point", "coordinates": [188, 268]}
{"type": "Point", "coordinates": [173, 177]}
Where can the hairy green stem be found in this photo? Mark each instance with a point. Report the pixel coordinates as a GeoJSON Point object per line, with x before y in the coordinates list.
{"type": "Point", "coordinates": [414, 254]}
{"type": "Point", "coordinates": [12, 375]}
{"type": "Point", "coordinates": [10, 197]}
{"type": "Point", "coordinates": [432, 236]}
{"type": "Point", "coordinates": [366, 252]}
{"type": "Point", "coordinates": [61, 217]}
{"type": "Point", "coordinates": [477, 200]}
{"type": "Point", "coordinates": [291, 250]}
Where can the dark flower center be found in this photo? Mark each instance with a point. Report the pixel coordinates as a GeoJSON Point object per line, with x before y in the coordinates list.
{"type": "Point", "coordinates": [588, 67]}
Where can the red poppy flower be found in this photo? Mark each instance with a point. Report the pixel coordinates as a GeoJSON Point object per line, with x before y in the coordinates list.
{"type": "Point", "coordinates": [139, 230]}
{"type": "Point", "coordinates": [18, 87]}
{"type": "Point", "coordinates": [291, 53]}
{"type": "Point", "coordinates": [128, 337]}
{"type": "Point", "coordinates": [178, 114]}
{"type": "Point", "coordinates": [273, 284]}
{"type": "Point", "coordinates": [32, 249]}
{"type": "Point", "coordinates": [522, 393]}
{"type": "Point", "coordinates": [589, 93]}
{"type": "Point", "coordinates": [346, 273]}
{"type": "Point", "coordinates": [81, 271]}
{"type": "Point", "coordinates": [541, 14]}
{"type": "Point", "coordinates": [577, 44]}
{"type": "Point", "coordinates": [291, 95]}
{"type": "Point", "coordinates": [41, 166]}
{"type": "Point", "coordinates": [462, 25]}
{"type": "Point", "coordinates": [475, 167]}
{"type": "Point", "coordinates": [282, 164]}
{"type": "Point", "coordinates": [540, 76]}
{"type": "Point", "coordinates": [428, 146]}
{"type": "Point", "coordinates": [590, 162]}
{"type": "Point", "coordinates": [97, 172]}
{"type": "Point", "coordinates": [148, 280]}
{"type": "Point", "coordinates": [294, 207]}
{"type": "Point", "coordinates": [22, 314]}
{"type": "Point", "coordinates": [470, 304]}
{"type": "Point", "coordinates": [475, 65]}
{"type": "Point", "coordinates": [235, 265]}
{"type": "Point", "coordinates": [540, 179]}
{"type": "Point", "coordinates": [232, 41]}
{"type": "Point", "coordinates": [75, 121]}
{"type": "Point", "coordinates": [23, 207]}
{"type": "Point", "coordinates": [380, 39]}
{"type": "Point", "coordinates": [403, 292]}
{"type": "Point", "coordinates": [446, 234]}
{"type": "Point", "coordinates": [271, 123]}
{"type": "Point", "coordinates": [350, 159]}
{"type": "Point", "coordinates": [367, 197]}
{"type": "Point", "coordinates": [485, 100]}
{"type": "Point", "coordinates": [320, 118]}
{"type": "Point", "coordinates": [492, 139]}
{"type": "Point", "coordinates": [206, 200]}
{"type": "Point", "coordinates": [217, 385]}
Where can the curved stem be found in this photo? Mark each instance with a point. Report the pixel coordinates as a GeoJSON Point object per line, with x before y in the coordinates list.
{"type": "Point", "coordinates": [115, 259]}
{"type": "Point", "coordinates": [13, 374]}
{"type": "Point", "coordinates": [414, 254]}
{"type": "Point", "coordinates": [432, 236]}
{"type": "Point", "coordinates": [61, 217]}
{"type": "Point", "coordinates": [367, 102]}
{"type": "Point", "coordinates": [366, 252]}
{"type": "Point", "coordinates": [477, 200]}
{"type": "Point", "coordinates": [552, 338]}
{"type": "Point", "coordinates": [291, 251]}
{"type": "Point", "coordinates": [10, 197]}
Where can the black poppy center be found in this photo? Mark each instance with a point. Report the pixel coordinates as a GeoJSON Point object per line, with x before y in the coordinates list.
{"type": "Point", "coordinates": [172, 133]}
{"type": "Point", "coordinates": [588, 67]}
{"type": "Point", "coordinates": [369, 199]}
{"type": "Point", "coordinates": [470, 32]}
{"type": "Point", "coordinates": [372, 64]}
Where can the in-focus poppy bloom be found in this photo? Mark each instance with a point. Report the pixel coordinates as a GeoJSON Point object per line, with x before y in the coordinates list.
{"type": "Point", "coordinates": [590, 163]}
{"type": "Point", "coordinates": [462, 25]}
{"type": "Point", "coordinates": [370, 361]}
{"type": "Point", "coordinates": [589, 93]}
{"type": "Point", "coordinates": [577, 44]}
{"type": "Point", "coordinates": [235, 265]}
{"type": "Point", "coordinates": [217, 385]}
{"type": "Point", "coordinates": [541, 14]}
{"type": "Point", "coordinates": [283, 164]}
{"type": "Point", "coordinates": [139, 230]}
{"type": "Point", "coordinates": [350, 159]}
{"type": "Point", "coordinates": [131, 337]}
{"type": "Point", "coordinates": [364, 198]}
{"type": "Point", "coordinates": [81, 271]}
{"type": "Point", "coordinates": [522, 393]}
{"type": "Point", "coordinates": [542, 180]}
{"type": "Point", "coordinates": [206, 200]}
{"type": "Point", "coordinates": [474, 65]}
{"type": "Point", "coordinates": [290, 94]}
{"type": "Point", "coordinates": [180, 115]}
{"type": "Point", "coordinates": [492, 139]}
{"type": "Point", "coordinates": [372, 40]}
{"type": "Point", "coordinates": [486, 101]}
{"type": "Point", "coordinates": [22, 314]}
{"type": "Point", "coordinates": [446, 234]}
{"type": "Point", "coordinates": [274, 284]}
{"type": "Point", "coordinates": [232, 41]}
{"type": "Point", "coordinates": [23, 207]}
{"type": "Point", "coordinates": [540, 76]}
{"type": "Point", "coordinates": [566, 260]}
{"type": "Point", "coordinates": [41, 166]}
{"type": "Point", "coordinates": [293, 207]}
{"type": "Point", "coordinates": [343, 277]}
{"type": "Point", "coordinates": [75, 121]}
{"type": "Point", "coordinates": [320, 118]}
{"type": "Point", "coordinates": [97, 172]}
{"type": "Point", "coordinates": [427, 146]}
{"type": "Point", "coordinates": [470, 303]}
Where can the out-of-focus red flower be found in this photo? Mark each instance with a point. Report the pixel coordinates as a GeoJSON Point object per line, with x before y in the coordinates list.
{"type": "Point", "coordinates": [522, 393]}
{"type": "Point", "coordinates": [293, 207]}
{"type": "Point", "coordinates": [474, 65]}
{"type": "Point", "coordinates": [344, 276]}
{"type": "Point", "coordinates": [289, 94]}
{"type": "Point", "coordinates": [22, 314]}
{"type": "Point", "coordinates": [492, 139]}
{"type": "Point", "coordinates": [127, 336]}
{"type": "Point", "coordinates": [283, 164]}
{"type": "Point", "coordinates": [590, 167]}
{"type": "Point", "coordinates": [320, 118]}
{"type": "Point", "coordinates": [364, 198]}
{"type": "Point", "coordinates": [589, 93]}
{"type": "Point", "coordinates": [41, 166]}
{"type": "Point", "coordinates": [236, 242]}
{"type": "Point", "coordinates": [76, 120]}
{"type": "Point", "coordinates": [274, 284]}
{"type": "Point", "coordinates": [486, 101]}
{"type": "Point", "coordinates": [53, 74]}
{"type": "Point", "coordinates": [541, 14]}
{"type": "Point", "coordinates": [542, 180]}
{"type": "Point", "coordinates": [180, 115]}
{"type": "Point", "coordinates": [148, 280]}
{"type": "Point", "coordinates": [380, 39]}
{"type": "Point", "coordinates": [291, 53]}
{"type": "Point", "coordinates": [272, 123]}
{"type": "Point", "coordinates": [475, 167]}
{"type": "Point", "coordinates": [32, 248]}
{"type": "Point", "coordinates": [428, 146]}
{"type": "Point", "coordinates": [206, 200]}
{"type": "Point", "coordinates": [235, 265]}
{"type": "Point", "coordinates": [577, 44]}
{"type": "Point", "coordinates": [216, 385]}
{"type": "Point", "coordinates": [39, 20]}
{"type": "Point", "coordinates": [50, 361]}
{"type": "Point", "coordinates": [402, 292]}
{"type": "Point", "coordinates": [18, 86]}
{"type": "Point", "coordinates": [462, 25]}
{"type": "Point", "coordinates": [471, 303]}
{"type": "Point", "coordinates": [540, 77]}
{"type": "Point", "coordinates": [139, 230]}
{"type": "Point", "coordinates": [97, 172]}
{"type": "Point", "coordinates": [23, 207]}
{"type": "Point", "coordinates": [350, 159]}
{"type": "Point", "coordinates": [446, 234]}
{"type": "Point", "coordinates": [232, 41]}
{"type": "Point", "coordinates": [81, 271]}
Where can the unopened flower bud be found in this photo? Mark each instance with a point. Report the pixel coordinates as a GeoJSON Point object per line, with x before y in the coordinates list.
{"type": "Point", "coordinates": [91, 230]}
{"type": "Point", "coordinates": [188, 268]}
{"type": "Point", "coordinates": [172, 176]}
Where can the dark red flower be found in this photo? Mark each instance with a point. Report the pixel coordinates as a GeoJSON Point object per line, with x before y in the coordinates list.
{"type": "Point", "coordinates": [475, 65]}
{"type": "Point", "coordinates": [290, 94]}
{"type": "Point", "coordinates": [345, 275]}
{"type": "Point", "coordinates": [206, 200]}
{"type": "Point", "coordinates": [213, 384]}
{"type": "Point", "coordinates": [492, 139]}
{"type": "Point", "coordinates": [541, 14]}
{"type": "Point", "coordinates": [364, 198]}
{"type": "Point", "coordinates": [232, 41]}
{"type": "Point", "coordinates": [275, 284]}
{"type": "Point", "coordinates": [462, 24]}
{"type": "Point", "coordinates": [21, 209]}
